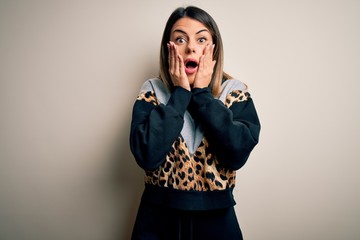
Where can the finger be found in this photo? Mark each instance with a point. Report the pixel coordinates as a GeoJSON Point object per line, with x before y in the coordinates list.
{"type": "Point", "coordinates": [212, 49]}
{"type": "Point", "coordinates": [205, 49]}
{"type": "Point", "coordinates": [210, 56]}
{"type": "Point", "coordinates": [211, 60]}
{"type": "Point", "coordinates": [206, 54]}
{"type": "Point", "coordinates": [178, 62]}
{"type": "Point", "coordinates": [181, 66]}
{"type": "Point", "coordinates": [210, 52]}
{"type": "Point", "coordinates": [201, 62]}
{"type": "Point", "coordinates": [172, 58]}
{"type": "Point", "coordinates": [169, 53]}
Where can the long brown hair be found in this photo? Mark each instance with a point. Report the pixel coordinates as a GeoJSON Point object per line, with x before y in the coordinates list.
{"type": "Point", "coordinates": [203, 17]}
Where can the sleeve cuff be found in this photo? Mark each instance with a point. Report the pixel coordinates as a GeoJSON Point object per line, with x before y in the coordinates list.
{"type": "Point", "coordinates": [180, 99]}
{"type": "Point", "coordinates": [201, 96]}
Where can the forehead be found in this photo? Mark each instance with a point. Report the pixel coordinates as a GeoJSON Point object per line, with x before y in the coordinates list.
{"type": "Point", "coordinates": [188, 25]}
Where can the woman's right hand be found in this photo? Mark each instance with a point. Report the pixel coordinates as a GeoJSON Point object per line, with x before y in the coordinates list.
{"type": "Point", "coordinates": [177, 68]}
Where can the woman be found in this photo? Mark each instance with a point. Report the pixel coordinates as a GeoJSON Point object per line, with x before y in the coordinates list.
{"type": "Point", "coordinates": [191, 129]}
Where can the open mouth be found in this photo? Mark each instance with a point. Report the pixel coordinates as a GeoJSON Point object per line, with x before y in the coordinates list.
{"type": "Point", "coordinates": [190, 65]}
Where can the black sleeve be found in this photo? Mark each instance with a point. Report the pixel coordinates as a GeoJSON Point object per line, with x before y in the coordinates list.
{"type": "Point", "coordinates": [155, 127]}
{"type": "Point", "coordinates": [232, 132]}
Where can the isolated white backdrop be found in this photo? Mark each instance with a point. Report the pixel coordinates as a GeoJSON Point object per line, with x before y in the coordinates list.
{"type": "Point", "coordinates": [70, 72]}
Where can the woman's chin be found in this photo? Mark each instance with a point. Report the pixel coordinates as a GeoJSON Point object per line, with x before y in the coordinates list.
{"type": "Point", "coordinates": [191, 80]}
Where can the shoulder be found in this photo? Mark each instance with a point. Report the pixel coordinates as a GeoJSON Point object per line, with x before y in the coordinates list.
{"type": "Point", "coordinates": [149, 84]}
{"type": "Point", "coordinates": [233, 84]}
{"type": "Point", "coordinates": [232, 87]}
{"type": "Point", "coordinates": [157, 88]}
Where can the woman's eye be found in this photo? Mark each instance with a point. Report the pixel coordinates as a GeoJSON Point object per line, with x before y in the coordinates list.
{"type": "Point", "coordinates": [180, 40]}
{"type": "Point", "coordinates": [202, 40]}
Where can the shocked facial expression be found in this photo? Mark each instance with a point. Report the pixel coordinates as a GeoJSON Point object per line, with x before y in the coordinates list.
{"type": "Point", "coordinates": [191, 37]}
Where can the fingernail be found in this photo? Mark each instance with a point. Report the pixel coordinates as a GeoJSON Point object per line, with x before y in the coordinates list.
{"type": "Point", "coordinates": [213, 45]}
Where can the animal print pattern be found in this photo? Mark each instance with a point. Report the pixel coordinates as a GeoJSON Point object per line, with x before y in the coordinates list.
{"type": "Point", "coordinates": [200, 171]}
{"type": "Point", "coordinates": [148, 97]}
{"type": "Point", "coordinates": [236, 96]}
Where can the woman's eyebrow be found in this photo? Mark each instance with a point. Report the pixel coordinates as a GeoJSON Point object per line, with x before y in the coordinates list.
{"type": "Point", "coordinates": [183, 32]}
{"type": "Point", "coordinates": [180, 31]}
{"type": "Point", "coordinates": [202, 30]}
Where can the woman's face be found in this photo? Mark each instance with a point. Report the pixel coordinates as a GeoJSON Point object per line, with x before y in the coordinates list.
{"type": "Point", "coordinates": [191, 37]}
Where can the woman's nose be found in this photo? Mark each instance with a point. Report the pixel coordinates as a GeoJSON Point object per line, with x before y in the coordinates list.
{"type": "Point", "coordinates": [190, 48]}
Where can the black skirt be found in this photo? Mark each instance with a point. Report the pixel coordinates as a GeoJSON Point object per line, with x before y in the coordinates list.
{"type": "Point", "coordinates": [154, 222]}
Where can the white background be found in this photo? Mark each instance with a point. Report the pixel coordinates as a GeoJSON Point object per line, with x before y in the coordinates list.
{"type": "Point", "coordinates": [70, 72]}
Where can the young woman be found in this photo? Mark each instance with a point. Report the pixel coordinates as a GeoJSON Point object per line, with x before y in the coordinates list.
{"type": "Point", "coordinates": [191, 129]}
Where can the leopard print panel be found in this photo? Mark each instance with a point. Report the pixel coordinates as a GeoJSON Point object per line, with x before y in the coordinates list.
{"type": "Point", "coordinates": [200, 171]}
{"type": "Point", "coordinates": [236, 96]}
{"type": "Point", "coordinates": [148, 97]}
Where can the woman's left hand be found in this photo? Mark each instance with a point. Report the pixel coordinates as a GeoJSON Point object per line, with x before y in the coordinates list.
{"type": "Point", "coordinates": [205, 68]}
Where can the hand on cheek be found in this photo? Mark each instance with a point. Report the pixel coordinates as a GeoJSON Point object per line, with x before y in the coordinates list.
{"type": "Point", "coordinates": [177, 68]}
{"type": "Point", "coordinates": [206, 68]}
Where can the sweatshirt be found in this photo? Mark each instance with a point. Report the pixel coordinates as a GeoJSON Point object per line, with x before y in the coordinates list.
{"type": "Point", "coordinates": [190, 143]}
